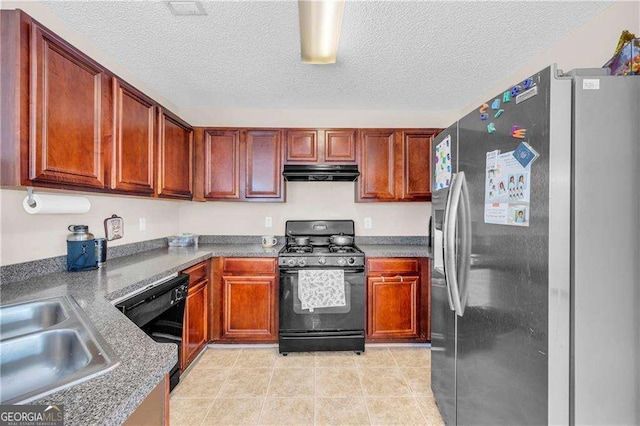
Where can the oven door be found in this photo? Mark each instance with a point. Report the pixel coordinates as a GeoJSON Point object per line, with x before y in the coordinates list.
{"type": "Point", "coordinates": [344, 318]}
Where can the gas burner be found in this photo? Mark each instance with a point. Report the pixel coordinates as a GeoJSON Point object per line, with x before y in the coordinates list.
{"type": "Point", "coordinates": [299, 249]}
{"type": "Point", "coordinates": [308, 245]}
{"type": "Point", "coordinates": [341, 249]}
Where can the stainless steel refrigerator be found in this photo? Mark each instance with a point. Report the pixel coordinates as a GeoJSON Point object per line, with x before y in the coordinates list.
{"type": "Point", "coordinates": [536, 242]}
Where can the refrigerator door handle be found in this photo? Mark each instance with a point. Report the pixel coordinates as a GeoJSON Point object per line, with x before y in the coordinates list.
{"type": "Point", "coordinates": [451, 220]}
{"type": "Point", "coordinates": [445, 233]}
{"type": "Point", "coordinates": [465, 244]}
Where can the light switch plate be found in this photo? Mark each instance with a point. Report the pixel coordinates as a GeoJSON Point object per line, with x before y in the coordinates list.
{"type": "Point", "coordinates": [142, 224]}
{"type": "Point", "coordinates": [268, 222]}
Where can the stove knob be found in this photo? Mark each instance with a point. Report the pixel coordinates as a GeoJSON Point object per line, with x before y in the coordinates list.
{"type": "Point", "coordinates": [351, 260]}
{"type": "Point", "coordinates": [291, 261]}
{"type": "Point", "coordinates": [322, 261]}
{"type": "Point", "coordinates": [341, 261]}
{"type": "Point", "coordinates": [302, 261]}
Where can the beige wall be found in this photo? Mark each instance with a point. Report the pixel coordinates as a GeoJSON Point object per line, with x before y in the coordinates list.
{"type": "Point", "coordinates": [306, 200]}
{"type": "Point", "coordinates": [25, 237]}
{"type": "Point", "coordinates": [589, 46]}
{"type": "Point", "coordinates": [249, 117]}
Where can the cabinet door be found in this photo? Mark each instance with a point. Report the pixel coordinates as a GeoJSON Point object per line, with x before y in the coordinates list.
{"type": "Point", "coordinates": [249, 308]}
{"type": "Point", "coordinates": [196, 321]}
{"type": "Point", "coordinates": [134, 124]}
{"type": "Point", "coordinates": [377, 180]}
{"type": "Point", "coordinates": [392, 307]}
{"type": "Point", "coordinates": [222, 164]}
{"type": "Point", "coordinates": [69, 113]}
{"type": "Point", "coordinates": [302, 146]}
{"type": "Point", "coordinates": [416, 150]}
{"type": "Point", "coordinates": [264, 165]}
{"type": "Point", "coordinates": [340, 146]}
{"type": "Point", "coordinates": [175, 172]}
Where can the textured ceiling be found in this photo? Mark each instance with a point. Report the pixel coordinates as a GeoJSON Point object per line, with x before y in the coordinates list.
{"type": "Point", "coordinates": [393, 55]}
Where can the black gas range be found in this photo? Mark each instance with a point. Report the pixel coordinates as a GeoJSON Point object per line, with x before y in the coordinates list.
{"type": "Point", "coordinates": [322, 288]}
{"type": "Point", "coordinates": [319, 253]}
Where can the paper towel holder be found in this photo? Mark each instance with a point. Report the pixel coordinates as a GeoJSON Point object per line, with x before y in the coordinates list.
{"type": "Point", "coordinates": [54, 203]}
{"type": "Point", "coordinates": [31, 201]}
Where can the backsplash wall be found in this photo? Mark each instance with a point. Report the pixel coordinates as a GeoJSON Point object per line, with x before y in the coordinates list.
{"type": "Point", "coordinates": [306, 200]}
{"type": "Point", "coordinates": [25, 237]}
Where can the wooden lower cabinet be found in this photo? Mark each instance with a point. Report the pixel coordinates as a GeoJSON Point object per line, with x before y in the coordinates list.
{"type": "Point", "coordinates": [195, 334]}
{"type": "Point", "coordinates": [197, 319]}
{"type": "Point", "coordinates": [248, 311]}
{"type": "Point", "coordinates": [398, 302]}
{"type": "Point", "coordinates": [245, 292]}
{"type": "Point", "coordinates": [393, 307]}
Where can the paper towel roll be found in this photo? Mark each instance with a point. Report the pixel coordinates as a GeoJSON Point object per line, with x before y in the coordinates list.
{"type": "Point", "coordinates": [56, 204]}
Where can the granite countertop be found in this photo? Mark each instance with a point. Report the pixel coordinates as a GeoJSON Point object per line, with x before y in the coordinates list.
{"type": "Point", "coordinates": [395, 250]}
{"type": "Point", "coordinates": [112, 397]}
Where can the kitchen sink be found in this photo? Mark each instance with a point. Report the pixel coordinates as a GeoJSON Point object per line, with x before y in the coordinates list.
{"type": "Point", "coordinates": [26, 318]}
{"type": "Point", "coordinates": [46, 346]}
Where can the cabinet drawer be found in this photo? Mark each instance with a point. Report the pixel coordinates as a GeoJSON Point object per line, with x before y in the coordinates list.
{"type": "Point", "coordinates": [194, 288]}
{"type": "Point", "coordinates": [249, 265]}
{"type": "Point", "coordinates": [392, 266]}
{"type": "Point", "coordinates": [197, 272]}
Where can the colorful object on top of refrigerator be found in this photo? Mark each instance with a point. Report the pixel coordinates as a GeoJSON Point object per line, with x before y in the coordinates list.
{"type": "Point", "coordinates": [535, 247]}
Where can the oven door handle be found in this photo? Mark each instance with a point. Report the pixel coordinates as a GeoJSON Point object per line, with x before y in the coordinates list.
{"type": "Point", "coordinates": [295, 271]}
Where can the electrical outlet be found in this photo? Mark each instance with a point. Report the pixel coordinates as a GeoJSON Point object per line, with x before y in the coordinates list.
{"type": "Point", "coordinates": [142, 224]}
{"type": "Point", "coordinates": [368, 223]}
{"type": "Point", "coordinates": [268, 222]}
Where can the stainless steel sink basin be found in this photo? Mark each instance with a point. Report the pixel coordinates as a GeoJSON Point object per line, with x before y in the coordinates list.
{"type": "Point", "coordinates": [46, 346]}
{"type": "Point", "coordinates": [26, 318]}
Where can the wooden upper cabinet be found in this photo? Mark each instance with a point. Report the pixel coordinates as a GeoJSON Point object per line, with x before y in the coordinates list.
{"type": "Point", "coordinates": [377, 153]}
{"type": "Point", "coordinates": [313, 146]}
{"type": "Point", "coordinates": [263, 174]}
{"type": "Point", "coordinates": [68, 122]}
{"type": "Point", "coordinates": [69, 115]}
{"type": "Point", "coordinates": [417, 165]}
{"type": "Point", "coordinates": [222, 164]}
{"type": "Point", "coordinates": [340, 146]}
{"type": "Point", "coordinates": [239, 165]}
{"type": "Point", "coordinates": [134, 140]}
{"type": "Point", "coordinates": [395, 165]}
{"type": "Point", "coordinates": [175, 156]}
{"type": "Point", "coordinates": [302, 146]}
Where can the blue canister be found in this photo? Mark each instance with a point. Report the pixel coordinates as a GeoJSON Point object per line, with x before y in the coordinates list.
{"type": "Point", "coordinates": [81, 249]}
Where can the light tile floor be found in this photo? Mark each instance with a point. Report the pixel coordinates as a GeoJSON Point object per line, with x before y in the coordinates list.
{"type": "Point", "coordinates": [257, 386]}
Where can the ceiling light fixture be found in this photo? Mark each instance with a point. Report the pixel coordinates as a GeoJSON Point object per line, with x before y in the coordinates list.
{"type": "Point", "coordinates": [320, 22]}
{"type": "Point", "coordinates": [185, 8]}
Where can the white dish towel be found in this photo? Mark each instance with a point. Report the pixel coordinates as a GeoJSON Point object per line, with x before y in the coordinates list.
{"type": "Point", "coordinates": [321, 288]}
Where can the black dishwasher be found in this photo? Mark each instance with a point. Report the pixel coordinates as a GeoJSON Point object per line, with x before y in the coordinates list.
{"type": "Point", "coordinates": [159, 311]}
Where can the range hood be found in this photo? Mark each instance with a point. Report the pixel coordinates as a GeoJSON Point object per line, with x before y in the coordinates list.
{"type": "Point", "coordinates": [321, 173]}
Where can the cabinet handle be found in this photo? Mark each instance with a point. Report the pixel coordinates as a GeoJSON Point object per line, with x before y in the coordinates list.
{"type": "Point", "coordinates": [392, 278]}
